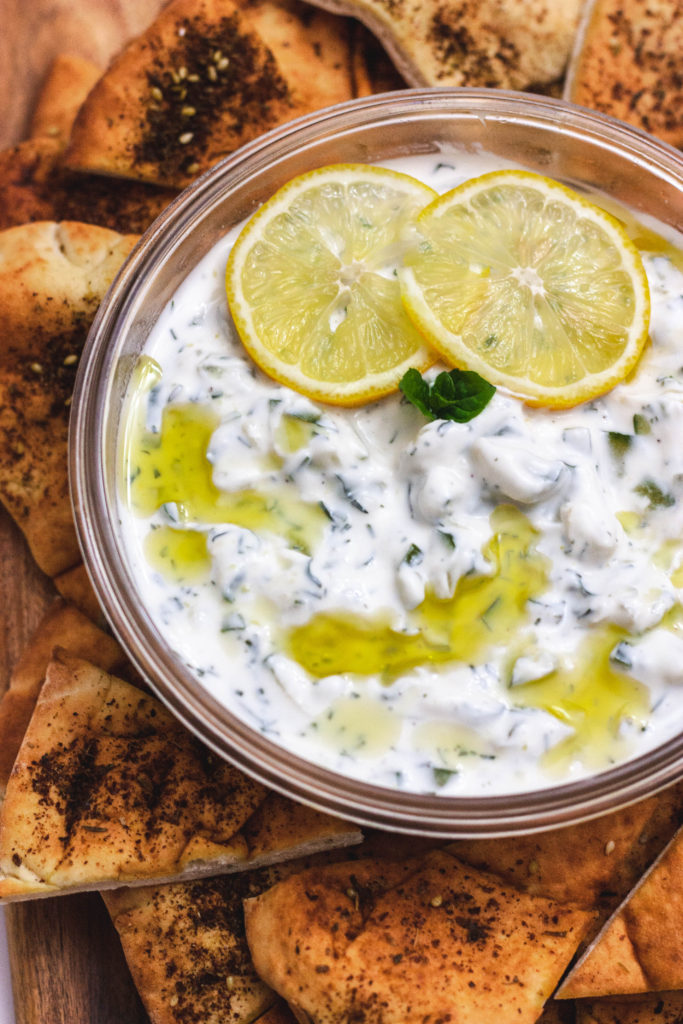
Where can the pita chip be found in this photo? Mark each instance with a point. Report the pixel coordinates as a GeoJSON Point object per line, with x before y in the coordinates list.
{"type": "Point", "coordinates": [109, 789]}
{"type": "Point", "coordinates": [52, 279]}
{"type": "Point", "coordinates": [68, 82]}
{"type": "Point", "coordinates": [26, 181]}
{"type": "Point", "coordinates": [402, 940]}
{"type": "Point", "coordinates": [35, 186]}
{"type": "Point", "coordinates": [374, 71]}
{"type": "Point", "coordinates": [659, 1008]}
{"type": "Point", "coordinates": [186, 949]}
{"type": "Point", "coordinates": [557, 1013]}
{"type": "Point", "coordinates": [207, 77]}
{"type": "Point", "coordinates": [278, 1014]}
{"type": "Point", "coordinates": [640, 948]}
{"type": "Point", "coordinates": [470, 42]}
{"type": "Point", "coordinates": [594, 864]}
{"type": "Point", "coordinates": [281, 829]}
{"type": "Point", "coordinates": [185, 943]}
{"type": "Point", "coordinates": [63, 625]}
{"type": "Point", "coordinates": [75, 587]}
{"type": "Point", "coordinates": [627, 63]}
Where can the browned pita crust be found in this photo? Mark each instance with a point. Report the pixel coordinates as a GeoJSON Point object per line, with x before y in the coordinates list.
{"type": "Point", "coordinates": [278, 1014]}
{"type": "Point", "coordinates": [208, 76]}
{"type": "Point", "coordinates": [52, 278]}
{"type": "Point", "coordinates": [279, 825]}
{"type": "Point", "coordinates": [187, 952]}
{"type": "Point", "coordinates": [62, 625]}
{"type": "Point", "coordinates": [26, 172]}
{"type": "Point", "coordinates": [109, 789]}
{"type": "Point", "coordinates": [398, 942]}
{"type": "Point", "coordinates": [512, 45]}
{"type": "Point", "coordinates": [374, 71]}
{"type": "Point", "coordinates": [185, 943]}
{"type": "Point", "coordinates": [557, 1013]}
{"type": "Point", "coordinates": [662, 1008]}
{"type": "Point", "coordinates": [66, 85]}
{"type": "Point", "coordinates": [627, 62]}
{"type": "Point", "coordinates": [75, 587]}
{"type": "Point", "coordinates": [594, 864]}
{"type": "Point", "coordinates": [35, 186]}
{"type": "Point", "coordinates": [640, 949]}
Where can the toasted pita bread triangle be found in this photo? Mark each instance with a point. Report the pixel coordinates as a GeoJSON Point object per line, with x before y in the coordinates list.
{"type": "Point", "coordinates": [593, 864]}
{"type": "Point", "coordinates": [557, 1013]}
{"type": "Point", "coordinates": [208, 76]}
{"type": "Point", "coordinates": [66, 85]}
{"type": "Point", "coordinates": [75, 587]}
{"type": "Point", "coordinates": [108, 789]}
{"type": "Point", "coordinates": [186, 947]}
{"type": "Point", "coordinates": [278, 1014]}
{"type": "Point", "coordinates": [62, 625]}
{"type": "Point", "coordinates": [627, 63]}
{"type": "Point", "coordinates": [471, 42]}
{"type": "Point", "coordinates": [662, 1008]}
{"type": "Point", "coordinates": [373, 70]}
{"type": "Point", "coordinates": [26, 179]}
{"type": "Point", "coordinates": [405, 940]}
{"type": "Point", "coordinates": [35, 186]}
{"type": "Point", "coordinates": [52, 279]}
{"type": "Point", "coordinates": [640, 948]}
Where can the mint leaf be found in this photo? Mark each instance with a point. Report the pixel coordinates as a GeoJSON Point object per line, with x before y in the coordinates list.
{"type": "Point", "coordinates": [457, 395]}
{"type": "Point", "coordinates": [416, 389]}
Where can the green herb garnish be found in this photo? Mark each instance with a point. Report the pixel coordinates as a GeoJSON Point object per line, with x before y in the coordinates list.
{"type": "Point", "coordinates": [457, 395]}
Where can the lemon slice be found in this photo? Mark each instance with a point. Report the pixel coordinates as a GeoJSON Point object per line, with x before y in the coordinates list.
{"type": "Point", "coordinates": [536, 289]}
{"type": "Point", "coordinates": [312, 283]}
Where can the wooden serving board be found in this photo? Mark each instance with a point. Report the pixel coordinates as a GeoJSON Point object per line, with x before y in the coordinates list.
{"type": "Point", "coordinates": [66, 962]}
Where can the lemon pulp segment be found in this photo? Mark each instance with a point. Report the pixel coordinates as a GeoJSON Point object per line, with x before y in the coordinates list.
{"type": "Point", "coordinates": [522, 280]}
{"type": "Point", "coordinates": [313, 288]}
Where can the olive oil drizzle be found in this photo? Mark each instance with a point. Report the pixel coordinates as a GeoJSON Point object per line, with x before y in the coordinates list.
{"type": "Point", "coordinates": [181, 556]}
{"type": "Point", "coordinates": [171, 470]}
{"type": "Point", "coordinates": [589, 694]}
{"type": "Point", "coordinates": [484, 611]}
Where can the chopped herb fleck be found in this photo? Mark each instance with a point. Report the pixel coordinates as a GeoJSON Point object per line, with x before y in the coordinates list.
{"type": "Point", "coordinates": [414, 555]}
{"type": "Point", "coordinates": [641, 424]}
{"type": "Point", "coordinates": [619, 443]}
{"type": "Point", "coordinates": [657, 498]}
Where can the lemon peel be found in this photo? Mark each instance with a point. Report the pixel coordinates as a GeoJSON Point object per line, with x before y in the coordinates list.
{"type": "Point", "coordinates": [312, 283]}
{"type": "Point", "coordinates": [522, 280]}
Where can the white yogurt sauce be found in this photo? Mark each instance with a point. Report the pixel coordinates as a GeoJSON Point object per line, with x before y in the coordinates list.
{"type": "Point", "coordinates": [406, 512]}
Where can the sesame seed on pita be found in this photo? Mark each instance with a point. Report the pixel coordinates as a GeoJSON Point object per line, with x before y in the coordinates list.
{"type": "Point", "coordinates": [207, 77]}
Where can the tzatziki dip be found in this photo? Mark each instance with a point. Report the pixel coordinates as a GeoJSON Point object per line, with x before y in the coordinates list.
{"type": "Point", "coordinates": [465, 609]}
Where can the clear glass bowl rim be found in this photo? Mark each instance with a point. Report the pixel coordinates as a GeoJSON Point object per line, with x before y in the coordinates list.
{"type": "Point", "coordinates": [94, 406]}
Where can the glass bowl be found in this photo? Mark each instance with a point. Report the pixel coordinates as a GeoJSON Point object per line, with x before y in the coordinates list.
{"type": "Point", "coordinates": [581, 148]}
